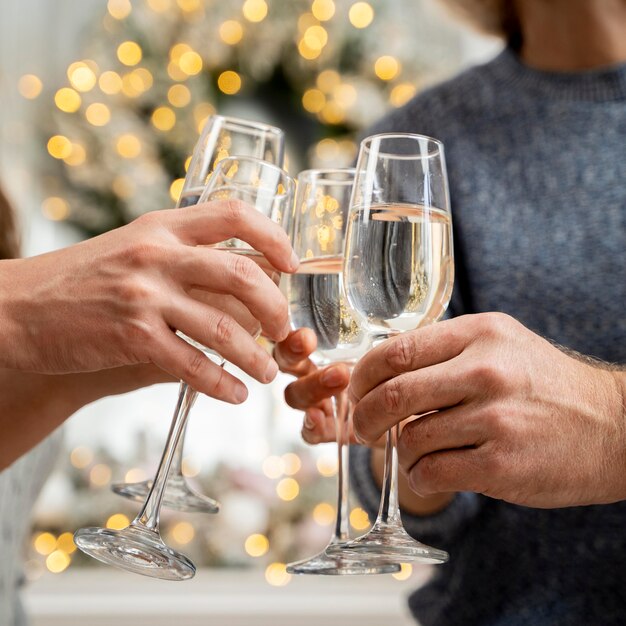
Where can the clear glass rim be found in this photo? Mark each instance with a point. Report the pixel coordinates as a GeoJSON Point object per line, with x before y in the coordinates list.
{"type": "Point", "coordinates": [247, 124]}
{"type": "Point", "coordinates": [327, 175]}
{"type": "Point", "coordinates": [286, 179]}
{"type": "Point", "coordinates": [420, 139]}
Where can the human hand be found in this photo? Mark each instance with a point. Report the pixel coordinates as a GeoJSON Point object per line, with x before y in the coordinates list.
{"type": "Point", "coordinates": [314, 387]}
{"type": "Point", "coordinates": [516, 418]}
{"type": "Point", "coordinates": [114, 300]}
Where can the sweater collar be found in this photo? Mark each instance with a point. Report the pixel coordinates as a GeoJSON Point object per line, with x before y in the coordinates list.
{"type": "Point", "coordinates": [601, 84]}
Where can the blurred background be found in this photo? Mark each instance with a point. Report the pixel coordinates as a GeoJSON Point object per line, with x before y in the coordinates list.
{"type": "Point", "coordinates": [102, 103]}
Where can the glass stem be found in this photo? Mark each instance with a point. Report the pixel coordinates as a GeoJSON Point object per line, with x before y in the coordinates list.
{"type": "Point", "coordinates": [176, 469]}
{"type": "Point", "coordinates": [389, 510]}
{"type": "Point", "coordinates": [148, 517]}
{"type": "Point", "coordinates": [342, 410]}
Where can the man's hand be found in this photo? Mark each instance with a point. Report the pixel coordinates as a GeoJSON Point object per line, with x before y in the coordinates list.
{"type": "Point", "coordinates": [116, 299]}
{"type": "Point", "coordinates": [508, 414]}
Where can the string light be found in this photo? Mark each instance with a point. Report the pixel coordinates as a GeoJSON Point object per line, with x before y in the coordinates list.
{"type": "Point", "coordinates": [288, 489]}
{"type": "Point", "coordinates": [326, 466]}
{"type": "Point", "coordinates": [256, 545]}
{"type": "Point", "coordinates": [163, 118]}
{"type": "Point", "coordinates": [29, 86]}
{"type": "Point", "coordinates": [201, 113]}
{"type": "Point", "coordinates": [306, 20]}
{"type": "Point", "coordinates": [345, 95]}
{"type": "Point", "coordinates": [176, 189]}
{"type": "Point", "coordinates": [401, 94]}
{"type": "Point", "coordinates": [255, 10]}
{"type": "Point", "coordinates": [229, 82]}
{"type": "Point", "coordinates": [313, 100]}
{"type": "Point", "coordinates": [55, 208]}
{"type": "Point", "coordinates": [179, 96]}
{"type": "Point", "coordinates": [128, 146]}
{"type": "Point", "coordinates": [119, 9]}
{"type": "Point", "coordinates": [65, 542]}
{"type": "Point", "coordinates": [45, 543]}
{"type": "Point", "coordinates": [67, 100]}
{"type": "Point", "coordinates": [231, 32]}
{"type": "Point", "coordinates": [98, 114]}
{"type": "Point", "coordinates": [81, 457]}
{"type": "Point", "coordinates": [328, 80]}
{"type": "Point", "coordinates": [129, 53]}
{"type": "Point", "coordinates": [315, 37]}
{"type": "Point", "coordinates": [324, 514]}
{"type": "Point", "coordinates": [143, 76]}
{"type": "Point", "coordinates": [183, 533]}
{"type": "Point", "coordinates": [77, 157]}
{"type": "Point", "coordinates": [323, 10]}
{"type": "Point", "coordinates": [187, 163]}
{"type": "Point", "coordinates": [273, 467]}
{"type": "Point", "coordinates": [361, 14]}
{"type": "Point", "coordinates": [291, 463]}
{"type": "Point", "coordinates": [332, 113]}
{"type": "Point", "coordinates": [359, 519]}
{"type": "Point", "coordinates": [189, 6]}
{"type": "Point", "coordinates": [100, 475]}
{"type": "Point", "coordinates": [174, 71]}
{"type": "Point", "coordinates": [386, 67]}
{"type": "Point", "coordinates": [117, 521]}
{"type": "Point", "coordinates": [307, 52]}
{"type": "Point", "coordinates": [110, 82]}
{"type": "Point", "coordinates": [159, 6]}
{"type": "Point", "coordinates": [124, 187]}
{"type": "Point", "coordinates": [406, 569]}
{"type": "Point", "coordinates": [57, 562]}
{"type": "Point", "coordinates": [190, 63]}
{"type": "Point", "coordinates": [276, 574]}
{"type": "Point", "coordinates": [59, 146]}
{"type": "Point", "coordinates": [81, 76]}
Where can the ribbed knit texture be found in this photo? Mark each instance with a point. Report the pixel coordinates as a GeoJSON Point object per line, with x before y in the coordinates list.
{"type": "Point", "coordinates": [537, 167]}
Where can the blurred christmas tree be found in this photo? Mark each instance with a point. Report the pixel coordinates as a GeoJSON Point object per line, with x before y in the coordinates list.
{"type": "Point", "coordinates": [124, 126]}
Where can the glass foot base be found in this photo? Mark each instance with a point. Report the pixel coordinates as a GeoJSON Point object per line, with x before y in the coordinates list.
{"type": "Point", "coordinates": [393, 542]}
{"type": "Point", "coordinates": [178, 495]}
{"type": "Point", "coordinates": [135, 550]}
{"type": "Point", "coordinates": [338, 563]}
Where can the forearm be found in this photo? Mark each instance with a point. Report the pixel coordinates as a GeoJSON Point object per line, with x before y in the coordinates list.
{"type": "Point", "coordinates": [410, 502]}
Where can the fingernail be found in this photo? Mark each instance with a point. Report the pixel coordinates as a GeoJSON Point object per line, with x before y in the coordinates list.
{"type": "Point", "coordinates": [271, 370]}
{"type": "Point", "coordinates": [332, 377]}
{"type": "Point", "coordinates": [241, 393]}
{"type": "Point", "coordinates": [296, 344]}
{"type": "Point", "coordinates": [295, 261]}
{"type": "Point", "coordinates": [308, 422]}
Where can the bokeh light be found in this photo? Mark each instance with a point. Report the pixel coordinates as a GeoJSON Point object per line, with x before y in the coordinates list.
{"type": "Point", "coordinates": [291, 463]}
{"type": "Point", "coordinates": [59, 146]}
{"type": "Point", "coordinates": [179, 96]}
{"type": "Point", "coordinates": [45, 543]}
{"type": "Point", "coordinates": [359, 519]}
{"type": "Point", "coordinates": [401, 94]}
{"type": "Point", "coordinates": [98, 114]}
{"type": "Point", "coordinates": [129, 53]}
{"type": "Point", "coordinates": [190, 63]}
{"type": "Point", "coordinates": [65, 542]}
{"type": "Point", "coordinates": [323, 10]}
{"type": "Point", "coordinates": [163, 118]}
{"type": "Point", "coordinates": [81, 456]}
{"type": "Point", "coordinates": [29, 86]}
{"type": "Point", "coordinates": [57, 562]}
{"type": "Point", "coordinates": [231, 32]}
{"type": "Point", "coordinates": [324, 514]}
{"type": "Point", "coordinates": [273, 467]}
{"type": "Point", "coordinates": [119, 9]}
{"type": "Point", "coordinates": [117, 521]}
{"type": "Point", "coordinates": [183, 533]}
{"type": "Point", "coordinates": [128, 146]}
{"type": "Point", "coordinates": [288, 489]}
{"type": "Point", "coordinates": [361, 14]}
{"type": "Point", "coordinates": [386, 67]}
{"type": "Point", "coordinates": [55, 208]}
{"type": "Point", "coordinates": [313, 100]}
{"type": "Point", "coordinates": [67, 99]}
{"type": "Point", "coordinates": [110, 82]}
{"type": "Point", "coordinates": [81, 76]}
{"type": "Point", "coordinates": [255, 10]}
{"type": "Point", "coordinates": [406, 569]}
{"type": "Point", "coordinates": [229, 82]}
{"type": "Point", "coordinates": [176, 189]}
{"type": "Point", "coordinates": [276, 574]}
{"type": "Point", "coordinates": [100, 475]}
{"type": "Point", "coordinates": [257, 545]}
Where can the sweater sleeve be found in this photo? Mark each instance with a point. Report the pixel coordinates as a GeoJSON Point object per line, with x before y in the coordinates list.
{"type": "Point", "coordinates": [439, 530]}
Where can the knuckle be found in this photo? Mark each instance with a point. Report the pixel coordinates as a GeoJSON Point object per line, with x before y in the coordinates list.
{"type": "Point", "coordinates": [401, 353]}
{"type": "Point", "coordinates": [392, 397]}
{"type": "Point", "coordinates": [244, 271]}
{"type": "Point", "coordinates": [194, 366]}
{"type": "Point", "coordinates": [141, 254]}
{"type": "Point", "coordinates": [220, 387]}
{"type": "Point", "coordinates": [426, 474]}
{"type": "Point", "coordinates": [494, 324]}
{"type": "Point", "coordinates": [234, 211]}
{"type": "Point", "coordinates": [139, 332]}
{"type": "Point", "coordinates": [488, 375]}
{"type": "Point", "coordinates": [224, 329]}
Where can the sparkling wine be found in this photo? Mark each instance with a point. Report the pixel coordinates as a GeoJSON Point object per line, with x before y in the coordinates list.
{"type": "Point", "coordinates": [399, 267]}
{"type": "Point", "coordinates": [316, 301]}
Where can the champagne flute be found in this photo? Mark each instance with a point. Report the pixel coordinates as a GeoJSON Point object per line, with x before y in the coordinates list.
{"type": "Point", "coordinates": [221, 137]}
{"type": "Point", "coordinates": [139, 548]}
{"type": "Point", "coordinates": [315, 301]}
{"type": "Point", "coordinates": [398, 276]}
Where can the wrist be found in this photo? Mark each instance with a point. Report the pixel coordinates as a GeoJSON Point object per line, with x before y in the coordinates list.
{"type": "Point", "coordinates": [11, 330]}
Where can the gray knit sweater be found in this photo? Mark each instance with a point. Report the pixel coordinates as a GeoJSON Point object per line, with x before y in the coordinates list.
{"type": "Point", "coordinates": [537, 166]}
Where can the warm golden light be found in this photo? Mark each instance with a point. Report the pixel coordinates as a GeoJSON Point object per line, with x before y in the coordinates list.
{"type": "Point", "coordinates": [163, 118]}
{"type": "Point", "coordinates": [81, 76]}
{"type": "Point", "coordinates": [77, 156]}
{"type": "Point", "coordinates": [189, 6]}
{"type": "Point", "coordinates": [179, 96]}
{"type": "Point", "coordinates": [159, 6]}
{"type": "Point", "coordinates": [143, 76]}
{"type": "Point", "coordinates": [119, 9]}
{"type": "Point", "coordinates": [59, 146]}
{"type": "Point", "coordinates": [190, 63]}
{"type": "Point", "coordinates": [190, 468]}
{"type": "Point", "coordinates": [57, 562]}
{"type": "Point", "coordinates": [187, 163]}
{"type": "Point", "coordinates": [324, 514]}
{"type": "Point", "coordinates": [328, 80]}
{"type": "Point", "coordinates": [276, 574]}
{"type": "Point", "coordinates": [129, 53]}
{"type": "Point", "coordinates": [176, 188]}
{"type": "Point", "coordinates": [29, 86]}
{"type": "Point", "coordinates": [183, 533]}
{"type": "Point", "coordinates": [401, 94]}
{"type": "Point", "coordinates": [306, 52]}
{"type": "Point", "coordinates": [288, 489]}
{"type": "Point", "coordinates": [128, 146]}
{"type": "Point", "coordinates": [326, 466]}
{"type": "Point", "coordinates": [257, 545]}
{"type": "Point", "coordinates": [98, 114]}
{"type": "Point", "coordinates": [291, 463]}
{"type": "Point", "coordinates": [178, 49]}
{"type": "Point", "coordinates": [315, 37]}
{"type": "Point", "coordinates": [332, 113]}
{"type": "Point", "coordinates": [386, 67]}
{"type": "Point", "coordinates": [229, 82]}
{"type": "Point", "coordinates": [306, 20]}
{"type": "Point", "coordinates": [231, 32]}
{"type": "Point", "coordinates": [66, 543]}
{"type": "Point", "coordinates": [273, 467]}
{"type": "Point", "coordinates": [124, 187]}
{"type": "Point", "coordinates": [345, 95]}
{"type": "Point", "coordinates": [313, 100]}
{"type": "Point", "coordinates": [110, 82]}
{"type": "Point", "coordinates": [100, 475]}
{"type": "Point", "coordinates": [45, 543]}
{"type": "Point", "coordinates": [323, 10]}
{"type": "Point", "coordinates": [255, 10]}
{"type": "Point", "coordinates": [201, 113]}
{"type": "Point", "coordinates": [117, 521]}
{"type": "Point", "coordinates": [80, 457]}
{"type": "Point", "coordinates": [327, 149]}
{"type": "Point", "coordinates": [174, 71]}
{"type": "Point", "coordinates": [67, 100]}
{"type": "Point", "coordinates": [361, 14]}
{"type": "Point", "coordinates": [406, 569]}
{"type": "Point", "coordinates": [359, 519]}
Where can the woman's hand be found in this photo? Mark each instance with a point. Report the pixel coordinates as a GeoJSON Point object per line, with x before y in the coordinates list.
{"type": "Point", "coordinates": [116, 299]}
{"type": "Point", "coordinates": [516, 418]}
